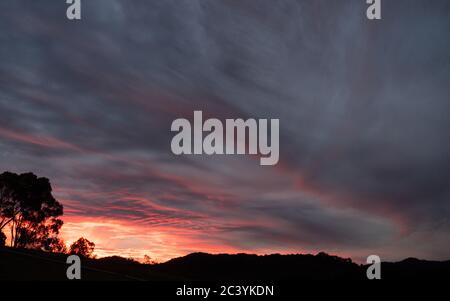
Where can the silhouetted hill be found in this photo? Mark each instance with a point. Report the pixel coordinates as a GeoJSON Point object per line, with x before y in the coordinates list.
{"type": "Point", "coordinates": [412, 268]}
{"type": "Point", "coordinates": [36, 265]}
{"type": "Point", "coordinates": [202, 266]}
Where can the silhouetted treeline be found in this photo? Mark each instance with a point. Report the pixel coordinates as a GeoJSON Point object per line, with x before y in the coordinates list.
{"type": "Point", "coordinates": [202, 266]}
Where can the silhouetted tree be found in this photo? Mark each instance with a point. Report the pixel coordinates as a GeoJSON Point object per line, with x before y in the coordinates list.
{"type": "Point", "coordinates": [82, 247]}
{"type": "Point", "coordinates": [56, 245]}
{"type": "Point", "coordinates": [43, 237]}
{"type": "Point", "coordinates": [29, 209]}
{"type": "Point", "coordinates": [2, 239]}
{"type": "Point", "coordinates": [148, 260]}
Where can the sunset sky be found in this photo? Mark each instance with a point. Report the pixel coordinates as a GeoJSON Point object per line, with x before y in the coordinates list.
{"type": "Point", "coordinates": [364, 123]}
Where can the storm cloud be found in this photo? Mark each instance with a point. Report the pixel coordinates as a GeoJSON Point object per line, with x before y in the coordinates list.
{"type": "Point", "coordinates": [363, 108]}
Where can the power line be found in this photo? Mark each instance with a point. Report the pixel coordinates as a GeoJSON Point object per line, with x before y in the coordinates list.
{"type": "Point", "coordinates": [40, 257]}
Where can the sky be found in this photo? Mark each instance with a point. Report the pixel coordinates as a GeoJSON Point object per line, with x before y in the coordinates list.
{"type": "Point", "coordinates": [363, 107]}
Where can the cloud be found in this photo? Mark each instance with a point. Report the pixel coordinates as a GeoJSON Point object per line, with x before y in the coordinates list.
{"type": "Point", "coordinates": [362, 106]}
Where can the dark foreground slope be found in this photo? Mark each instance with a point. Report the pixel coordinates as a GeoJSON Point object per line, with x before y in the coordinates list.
{"type": "Point", "coordinates": [36, 265]}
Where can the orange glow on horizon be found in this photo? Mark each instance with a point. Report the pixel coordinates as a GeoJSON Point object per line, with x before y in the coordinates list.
{"type": "Point", "coordinates": [113, 237]}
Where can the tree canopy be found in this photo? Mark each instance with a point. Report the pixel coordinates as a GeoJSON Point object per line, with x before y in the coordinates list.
{"type": "Point", "coordinates": [82, 247]}
{"type": "Point", "coordinates": [29, 211]}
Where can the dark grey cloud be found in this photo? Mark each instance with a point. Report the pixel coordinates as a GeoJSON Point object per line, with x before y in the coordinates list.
{"type": "Point", "coordinates": [362, 108]}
